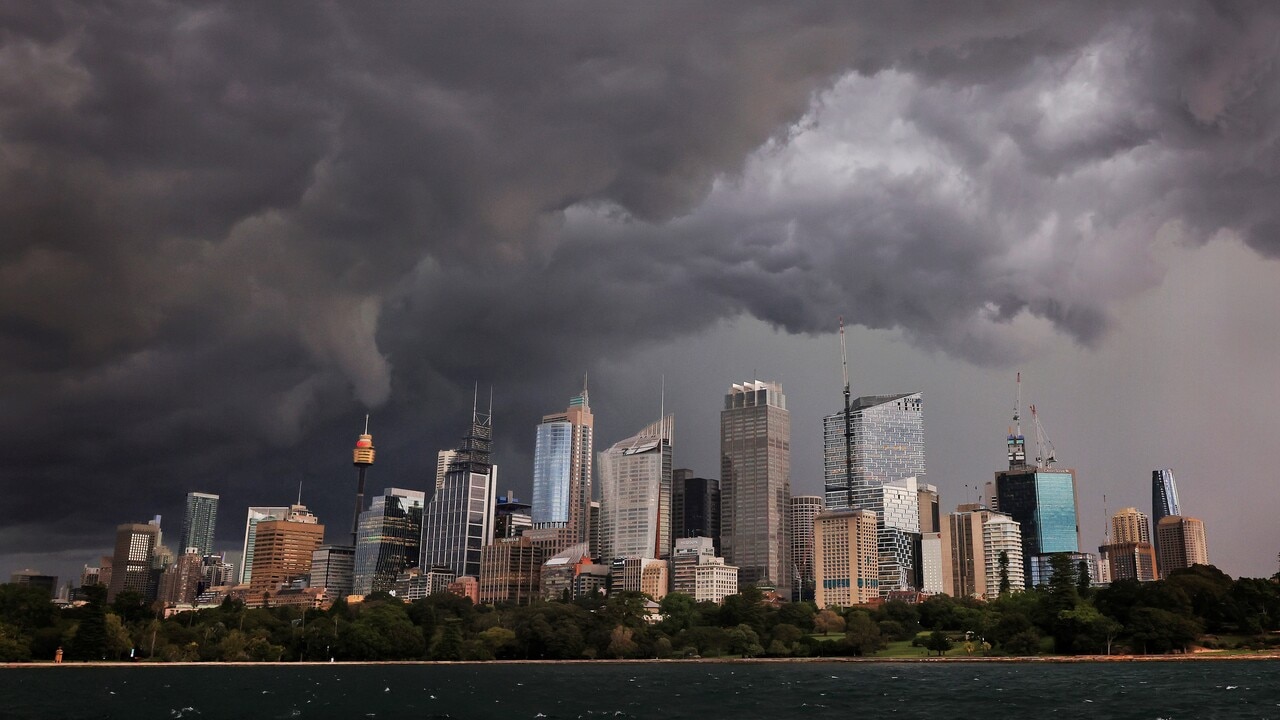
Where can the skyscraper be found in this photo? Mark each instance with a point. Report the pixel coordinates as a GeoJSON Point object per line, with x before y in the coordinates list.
{"type": "Point", "coordinates": [562, 458]}
{"type": "Point", "coordinates": [1164, 502]}
{"type": "Point", "coordinates": [846, 558]}
{"type": "Point", "coordinates": [888, 444]}
{"type": "Point", "coordinates": [458, 520]}
{"type": "Point", "coordinates": [635, 488]}
{"type": "Point", "coordinates": [388, 540]}
{"type": "Point", "coordinates": [1043, 502]}
{"type": "Point", "coordinates": [755, 484]}
{"type": "Point", "coordinates": [804, 508]}
{"type": "Point", "coordinates": [283, 549]}
{"type": "Point", "coordinates": [256, 515]}
{"type": "Point", "coordinates": [131, 562]}
{"type": "Point", "coordinates": [199, 522]}
{"type": "Point", "coordinates": [1181, 543]}
{"type": "Point", "coordinates": [695, 507]}
{"type": "Point", "coordinates": [881, 472]}
{"type": "Point", "coordinates": [333, 568]}
{"type": "Point", "coordinates": [1130, 526]}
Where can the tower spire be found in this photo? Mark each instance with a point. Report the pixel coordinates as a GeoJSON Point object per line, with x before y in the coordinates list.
{"type": "Point", "coordinates": [361, 457]}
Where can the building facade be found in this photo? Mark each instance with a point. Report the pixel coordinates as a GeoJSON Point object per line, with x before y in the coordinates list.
{"type": "Point", "coordinates": [283, 550]}
{"type": "Point", "coordinates": [846, 558]}
{"type": "Point", "coordinates": [1180, 543]}
{"type": "Point", "coordinates": [387, 540]}
{"type": "Point", "coordinates": [1129, 561]}
{"type": "Point", "coordinates": [458, 521]}
{"type": "Point", "coordinates": [804, 508]}
{"type": "Point", "coordinates": [755, 484]}
{"type": "Point", "coordinates": [199, 523]}
{"type": "Point", "coordinates": [1043, 503]}
{"type": "Point", "coordinates": [695, 507]}
{"type": "Point", "coordinates": [562, 457]}
{"type": "Point", "coordinates": [131, 563]}
{"type": "Point", "coordinates": [1164, 503]}
{"type": "Point", "coordinates": [635, 488]}
{"type": "Point", "coordinates": [333, 569]}
{"type": "Point", "coordinates": [256, 515]}
{"type": "Point", "coordinates": [510, 572]}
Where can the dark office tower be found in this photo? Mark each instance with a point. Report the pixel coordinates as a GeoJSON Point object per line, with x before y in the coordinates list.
{"type": "Point", "coordinates": [562, 457]}
{"type": "Point", "coordinates": [1164, 503]}
{"type": "Point", "coordinates": [361, 458]}
{"type": "Point", "coordinates": [458, 520]}
{"type": "Point", "coordinates": [755, 484]}
{"type": "Point", "coordinates": [1043, 501]}
{"type": "Point", "coordinates": [131, 563]}
{"type": "Point", "coordinates": [199, 522]}
{"type": "Point", "coordinates": [387, 545]}
{"type": "Point", "coordinates": [695, 507]}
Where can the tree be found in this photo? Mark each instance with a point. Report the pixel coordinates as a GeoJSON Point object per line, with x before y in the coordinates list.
{"type": "Point", "coordinates": [621, 643]}
{"type": "Point", "coordinates": [679, 612]}
{"type": "Point", "coordinates": [1005, 586]}
{"type": "Point", "coordinates": [828, 621]}
{"type": "Point", "coordinates": [863, 635]}
{"type": "Point", "coordinates": [90, 639]}
{"type": "Point", "coordinates": [1024, 642]}
{"type": "Point", "coordinates": [938, 642]}
{"type": "Point", "coordinates": [449, 645]}
{"type": "Point", "coordinates": [744, 641]}
{"type": "Point", "coordinates": [1082, 578]}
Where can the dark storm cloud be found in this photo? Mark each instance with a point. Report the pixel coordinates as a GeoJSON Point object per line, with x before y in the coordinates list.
{"type": "Point", "coordinates": [225, 226]}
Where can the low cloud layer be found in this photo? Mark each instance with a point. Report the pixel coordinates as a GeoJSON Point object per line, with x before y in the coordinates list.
{"type": "Point", "coordinates": [227, 229]}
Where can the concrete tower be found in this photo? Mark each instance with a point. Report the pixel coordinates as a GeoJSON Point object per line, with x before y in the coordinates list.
{"type": "Point", "coordinates": [362, 458]}
{"type": "Point", "coordinates": [199, 522]}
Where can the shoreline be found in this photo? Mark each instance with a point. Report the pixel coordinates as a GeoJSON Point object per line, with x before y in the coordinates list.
{"type": "Point", "coordinates": [1046, 659]}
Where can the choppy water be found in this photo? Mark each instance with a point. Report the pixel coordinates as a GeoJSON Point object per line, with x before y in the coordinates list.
{"type": "Point", "coordinates": [1173, 690]}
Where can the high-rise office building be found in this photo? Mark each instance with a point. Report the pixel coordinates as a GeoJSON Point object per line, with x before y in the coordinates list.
{"type": "Point", "coordinates": [256, 515]}
{"type": "Point", "coordinates": [388, 540]}
{"type": "Point", "coordinates": [182, 581]}
{"type": "Point", "coordinates": [878, 467]}
{"type": "Point", "coordinates": [755, 484]}
{"type": "Point", "coordinates": [1042, 500]}
{"type": "Point", "coordinates": [562, 456]}
{"type": "Point", "coordinates": [458, 520]}
{"type": "Point", "coordinates": [283, 549]}
{"type": "Point", "coordinates": [1128, 561]}
{"type": "Point", "coordinates": [977, 537]}
{"type": "Point", "coordinates": [199, 522]}
{"type": "Point", "coordinates": [510, 571]}
{"type": "Point", "coordinates": [1180, 544]}
{"type": "Point", "coordinates": [443, 459]}
{"type": "Point", "coordinates": [846, 558]}
{"type": "Point", "coordinates": [333, 569]}
{"type": "Point", "coordinates": [635, 490]}
{"type": "Point", "coordinates": [131, 563]}
{"type": "Point", "coordinates": [804, 508]}
{"type": "Point", "coordinates": [695, 507]}
{"type": "Point", "coordinates": [697, 572]}
{"type": "Point", "coordinates": [887, 445]}
{"type": "Point", "coordinates": [1164, 502]}
{"type": "Point", "coordinates": [31, 578]}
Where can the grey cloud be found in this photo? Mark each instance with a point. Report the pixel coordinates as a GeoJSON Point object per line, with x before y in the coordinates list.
{"type": "Point", "coordinates": [228, 228]}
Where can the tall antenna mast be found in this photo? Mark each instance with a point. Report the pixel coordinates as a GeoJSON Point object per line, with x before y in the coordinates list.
{"type": "Point", "coordinates": [1106, 521]}
{"type": "Point", "coordinates": [848, 425]}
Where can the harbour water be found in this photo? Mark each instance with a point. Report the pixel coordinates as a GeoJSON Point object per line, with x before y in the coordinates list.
{"type": "Point", "coordinates": [1175, 690]}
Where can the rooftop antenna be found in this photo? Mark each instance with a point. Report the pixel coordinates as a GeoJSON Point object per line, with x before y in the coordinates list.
{"type": "Point", "coordinates": [662, 407]}
{"type": "Point", "coordinates": [1017, 405]}
{"type": "Point", "coordinates": [1106, 521]}
{"type": "Point", "coordinates": [848, 425]}
{"type": "Point", "coordinates": [366, 423]}
{"type": "Point", "coordinates": [300, 490]}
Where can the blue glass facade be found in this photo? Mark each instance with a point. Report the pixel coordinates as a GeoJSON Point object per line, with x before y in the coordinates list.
{"type": "Point", "coordinates": [1043, 501]}
{"type": "Point", "coordinates": [552, 466]}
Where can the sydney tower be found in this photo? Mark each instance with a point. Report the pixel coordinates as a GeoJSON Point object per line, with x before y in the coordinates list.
{"type": "Point", "coordinates": [362, 458]}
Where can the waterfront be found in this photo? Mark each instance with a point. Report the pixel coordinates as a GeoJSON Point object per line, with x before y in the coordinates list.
{"type": "Point", "coordinates": [1172, 690]}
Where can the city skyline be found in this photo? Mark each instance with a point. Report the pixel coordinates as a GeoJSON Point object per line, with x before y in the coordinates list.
{"type": "Point", "coordinates": [214, 272]}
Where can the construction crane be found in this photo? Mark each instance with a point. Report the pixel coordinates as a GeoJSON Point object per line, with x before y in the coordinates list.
{"type": "Point", "coordinates": [1044, 447]}
{"type": "Point", "coordinates": [848, 425]}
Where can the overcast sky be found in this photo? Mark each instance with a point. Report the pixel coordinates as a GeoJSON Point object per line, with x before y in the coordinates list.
{"type": "Point", "coordinates": [228, 231]}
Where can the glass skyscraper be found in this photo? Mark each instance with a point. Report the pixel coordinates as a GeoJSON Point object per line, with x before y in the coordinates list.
{"type": "Point", "coordinates": [1164, 502]}
{"type": "Point", "coordinates": [880, 472]}
{"type": "Point", "coordinates": [199, 522]}
{"type": "Point", "coordinates": [458, 521]}
{"type": "Point", "coordinates": [695, 507]}
{"type": "Point", "coordinates": [755, 484]}
{"type": "Point", "coordinates": [562, 469]}
{"type": "Point", "coordinates": [635, 490]}
{"type": "Point", "coordinates": [387, 539]}
{"type": "Point", "coordinates": [1043, 502]}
